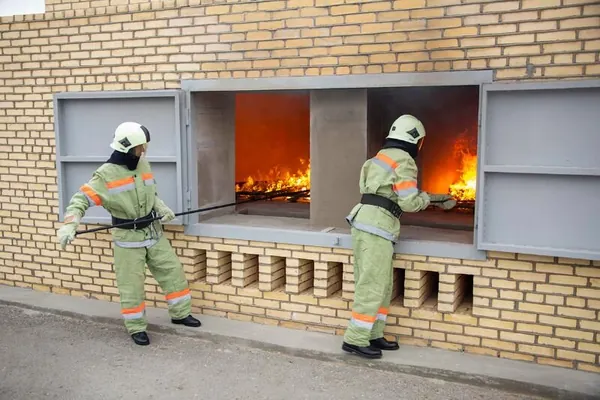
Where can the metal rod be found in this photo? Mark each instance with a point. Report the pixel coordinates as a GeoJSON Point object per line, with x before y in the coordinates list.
{"type": "Point", "coordinates": [264, 197]}
{"type": "Point", "coordinates": [260, 197]}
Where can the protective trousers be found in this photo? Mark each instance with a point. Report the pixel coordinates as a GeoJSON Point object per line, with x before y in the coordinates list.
{"type": "Point", "coordinates": [165, 267]}
{"type": "Point", "coordinates": [373, 277]}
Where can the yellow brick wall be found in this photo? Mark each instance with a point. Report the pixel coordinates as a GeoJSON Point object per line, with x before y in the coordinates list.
{"type": "Point", "coordinates": [122, 44]}
{"type": "Point", "coordinates": [539, 309]}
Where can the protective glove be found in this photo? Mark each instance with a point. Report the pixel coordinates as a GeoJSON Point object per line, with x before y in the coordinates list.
{"type": "Point", "coordinates": [66, 234]}
{"type": "Point", "coordinates": [446, 205]}
{"type": "Point", "coordinates": [440, 198]}
{"type": "Point", "coordinates": [443, 201]}
{"type": "Point", "coordinates": [425, 197]}
{"type": "Point", "coordinates": [168, 215]}
{"type": "Point", "coordinates": [162, 209]}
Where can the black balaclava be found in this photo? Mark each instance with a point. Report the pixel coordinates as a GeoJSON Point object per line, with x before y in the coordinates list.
{"type": "Point", "coordinates": [410, 148]}
{"type": "Point", "coordinates": [127, 159]}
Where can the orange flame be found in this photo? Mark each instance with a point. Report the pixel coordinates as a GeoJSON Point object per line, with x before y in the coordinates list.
{"type": "Point", "coordinates": [277, 179]}
{"type": "Point", "coordinates": [465, 187]}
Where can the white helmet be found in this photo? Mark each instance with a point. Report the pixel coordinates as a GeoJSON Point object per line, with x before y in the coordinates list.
{"type": "Point", "coordinates": [129, 135]}
{"type": "Point", "coordinates": [408, 129]}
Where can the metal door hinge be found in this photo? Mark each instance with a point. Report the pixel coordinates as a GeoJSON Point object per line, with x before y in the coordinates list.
{"type": "Point", "coordinates": [188, 116]}
{"type": "Point", "coordinates": [188, 199]}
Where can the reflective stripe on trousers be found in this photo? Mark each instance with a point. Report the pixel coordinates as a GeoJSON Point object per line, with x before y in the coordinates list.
{"type": "Point", "coordinates": [135, 312]}
{"type": "Point", "coordinates": [382, 314]}
{"type": "Point", "coordinates": [174, 298]}
{"type": "Point", "coordinates": [362, 320]}
{"type": "Point", "coordinates": [367, 321]}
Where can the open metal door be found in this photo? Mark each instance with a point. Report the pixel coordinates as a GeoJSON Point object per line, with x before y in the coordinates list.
{"type": "Point", "coordinates": [539, 169]}
{"type": "Point", "coordinates": [84, 127]}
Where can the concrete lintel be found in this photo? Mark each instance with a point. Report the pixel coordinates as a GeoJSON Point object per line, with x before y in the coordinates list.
{"type": "Point", "coordinates": [504, 374]}
{"type": "Point", "coordinates": [544, 85]}
{"type": "Point", "coordinates": [329, 239]}
{"type": "Point", "coordinates": [117, 94]}
{"type": "Point", "coordinates": [402, 79]}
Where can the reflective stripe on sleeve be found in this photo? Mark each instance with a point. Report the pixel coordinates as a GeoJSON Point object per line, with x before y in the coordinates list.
{"type": "Point", "coordinates": [121, 185]}
{"type": "Point", "coordinates": [385, 162]}
{"type": "Point", "coordinates": [174, 298]}
{"type": "Point", "coordinates": [405, 188]}
{"type": "Point", "coordinates": [92, 196]}
{"type": "Point", "coordinates": [362, 320]}
{"type": "Point", "coordinates": [135, 312]}
{"type": "Point", "coordinates": [148, 179]}
{"type": "Point", "coordinates": [382, 314]}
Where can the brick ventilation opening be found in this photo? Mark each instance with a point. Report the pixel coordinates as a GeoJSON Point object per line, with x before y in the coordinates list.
{"type": "Point", "coordinates": [194, 264]}
{"type": "Point", "coordinates": [398, 286]}
{"type": "Point", "coordinates": [455, 291]}
{"type": "Point", "coordinates": [271, 273]}
{"type": "Point", "coordinates": [467, 301]}
{"type": "Point", "coordinates": [421, 289]}
{"type": "Point", "coordinates": [348, 283]}
{"type": "Point", "coordinates": [244, 269]}
{"type": "Point", "coordinates": [328, 278]}
{"type": "Point", "coordinates": [432, 287]}
{"type": "Point", "coordinates": [299, 275]}
{"type": "Point", "coordinates": [218, 266]}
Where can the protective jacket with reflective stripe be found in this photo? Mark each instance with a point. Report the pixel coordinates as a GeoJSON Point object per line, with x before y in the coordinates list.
{"type": "Point", "coordinates": [392, 173]}
{"type": "Point", "coordinates": [125, 194]}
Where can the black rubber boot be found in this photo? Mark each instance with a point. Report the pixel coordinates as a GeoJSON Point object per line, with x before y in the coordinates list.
{"type": "Point", "coordinates": [187, 321]}
{"type": "Point", "coordinates": [365, 352]}
{"type": "Point", "coordinates": [384, 344]}
{"type": "Point", "coordinates": [141, 338]}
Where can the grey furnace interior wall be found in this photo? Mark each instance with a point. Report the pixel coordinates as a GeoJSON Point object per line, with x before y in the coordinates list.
{"type": "Point", "coordinates": [214, 129]}
{"type": "Point", "coordinates": [541, 183]}
{"type": "Point", "coordinates": [385, 106]}
{"type": "Point", "coordinates": [376, 123]}
{"type": "Point", "coordinates": [85, 123]}
{"type": "Point", "coordinates": [338, 147]}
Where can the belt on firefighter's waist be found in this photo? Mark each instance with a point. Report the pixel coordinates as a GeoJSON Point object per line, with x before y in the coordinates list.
{"type": "Point", "coordinates": [383, 202]}
{"type": "Point", "coordinates": [137, 223]}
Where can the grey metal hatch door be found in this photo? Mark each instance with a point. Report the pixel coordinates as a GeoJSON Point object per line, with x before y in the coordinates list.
{"type": "Point", "coordinates": [539, 169]}
{"type": "Point", "coordinates": [84, 126]}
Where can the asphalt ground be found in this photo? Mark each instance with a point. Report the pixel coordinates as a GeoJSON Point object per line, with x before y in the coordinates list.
{"type": "Point", "coordinates": [49, 356]}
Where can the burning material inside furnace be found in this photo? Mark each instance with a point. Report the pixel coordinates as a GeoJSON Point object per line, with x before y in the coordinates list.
{"type": "Point", "coordinates": [278, 179]}
{"type": "Point", "coordinates": [465, 188]}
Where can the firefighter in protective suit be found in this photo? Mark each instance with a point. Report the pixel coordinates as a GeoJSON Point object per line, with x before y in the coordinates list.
{"type": "Point", "coordinates": [388, 184]}
{"type": "Point", "coordinates": [125, 186]}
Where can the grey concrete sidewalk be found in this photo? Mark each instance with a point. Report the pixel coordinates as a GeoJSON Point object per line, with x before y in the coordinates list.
{"type": "Point", "coordinates": [508, 375]}
{"type": "Point", "coordinates": [55, 357]}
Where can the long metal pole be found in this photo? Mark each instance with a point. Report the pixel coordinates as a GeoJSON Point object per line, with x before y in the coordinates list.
{"type": "Point", "coordinates": [266, 197]}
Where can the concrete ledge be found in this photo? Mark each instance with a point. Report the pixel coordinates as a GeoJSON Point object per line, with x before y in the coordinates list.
{"type": "Point", "coordinates": [507, 375]}
{"type": "Point", "coordinates": [274, 229]}
{"type": "Point", "coordinates": [359, 81]}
